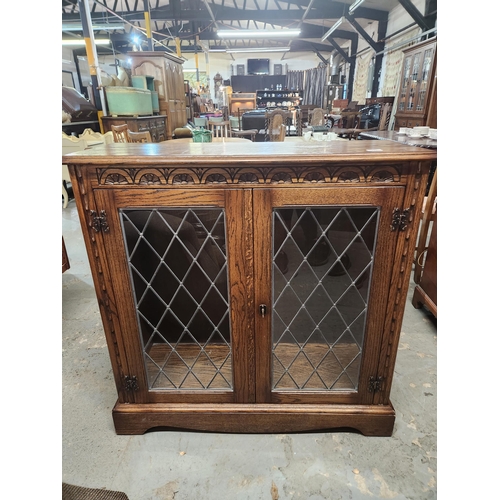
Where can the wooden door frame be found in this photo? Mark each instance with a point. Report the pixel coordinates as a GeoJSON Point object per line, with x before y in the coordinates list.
{"type": "Point", "coordinates": [267, 199]}
{"type": "Point", "coordinates": [242, 345]}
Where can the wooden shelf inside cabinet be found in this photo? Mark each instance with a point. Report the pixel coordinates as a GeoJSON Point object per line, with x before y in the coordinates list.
{"type": "Point", "coordinates": [193, 248]}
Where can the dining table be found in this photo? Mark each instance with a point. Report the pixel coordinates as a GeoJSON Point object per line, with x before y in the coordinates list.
{"type": "Point", "coordinates": [392, 135]}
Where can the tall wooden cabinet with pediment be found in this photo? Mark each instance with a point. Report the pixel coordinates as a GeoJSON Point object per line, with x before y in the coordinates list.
{"type": "Point", "coordinates": [169, 83]}
{"type": "Point", "coordinates": [251, 291]}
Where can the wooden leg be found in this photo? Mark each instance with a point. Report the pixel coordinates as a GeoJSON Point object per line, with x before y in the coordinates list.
{"type": "Point", "coordinates": [420, 299]}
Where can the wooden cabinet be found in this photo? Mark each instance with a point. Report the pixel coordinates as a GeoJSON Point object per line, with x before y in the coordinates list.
{"type": "Point", "coordinates": [417, 91]}
{"type": "Point", "coordinates": [166, 69]}
{"type": "Point", "coordinates": [251, 291]}
{"type": "Point", "coordinates": [156, 125]}
{"type": "Point", "coordinates": [239, 103]}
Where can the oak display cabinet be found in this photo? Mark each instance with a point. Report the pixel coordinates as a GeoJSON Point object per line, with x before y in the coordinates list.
{"type": "Point", "coordinates": [251, 291]}
{"type": "Point", "coordinates": [418, 88]}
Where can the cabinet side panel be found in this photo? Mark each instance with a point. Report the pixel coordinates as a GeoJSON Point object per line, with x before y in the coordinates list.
{"type": "Point", "coordinates": [99, 266]}
{"type": "Point", "coordinates": [403, 261]}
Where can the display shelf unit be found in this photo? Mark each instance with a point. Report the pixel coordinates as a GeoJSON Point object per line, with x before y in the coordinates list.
{"type": "Point", "coordinates": [417, 91]}
{"type": "Point", "coordinates": [272, 99]}
{"type": "Point", "coordinates": [255, 290]}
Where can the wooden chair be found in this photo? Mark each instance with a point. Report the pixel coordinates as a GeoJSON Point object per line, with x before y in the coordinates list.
{"type": "Point", "coordinates": [120, 133]}
{"type": "Point", "coordinates": [316, 117]}
{"type": "Point", "coordinates": [219, 128]}
{"type": "Point", "coordinates": [276, 125]}
{"type": "Point", "coordinates": [427, 215]}
{"type": "Point", "coordinates": [383, 123]}
{"type": "Point", "coordinates": [235, 131]}
{"type": "Point", "coordinates": [425, 273]}
{"type": "Point", "coordinates": [144, 136]}
{"type": "Point", "coordinates": [200, 122]}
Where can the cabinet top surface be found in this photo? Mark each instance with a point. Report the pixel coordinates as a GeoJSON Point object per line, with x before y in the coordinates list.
{"type": "Point", "coordinates": [170, 152]}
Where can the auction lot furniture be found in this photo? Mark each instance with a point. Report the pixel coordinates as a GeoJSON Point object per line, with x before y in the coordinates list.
{"type": "Point", "coordinates": [168, 77]}
{"type": "Point", "coordinates": [156, 125]}
{"type": "Point", "coordinates": [255, 289]}
{"type": "Point", "coordinates": [418, 90]}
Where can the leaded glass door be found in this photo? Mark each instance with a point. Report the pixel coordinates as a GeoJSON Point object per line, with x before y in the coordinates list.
{"type": "Point", "coordinates": [173, 253]}
{"type": "Point", "coordinates": [322, 292]}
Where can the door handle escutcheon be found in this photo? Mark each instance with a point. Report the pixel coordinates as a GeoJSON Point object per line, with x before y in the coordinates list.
{"type": "Point", "coordinates": [263, 310]}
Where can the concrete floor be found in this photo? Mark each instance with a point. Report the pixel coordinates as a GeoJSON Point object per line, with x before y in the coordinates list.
{"type": "Point", "coordinates": [191, 466]}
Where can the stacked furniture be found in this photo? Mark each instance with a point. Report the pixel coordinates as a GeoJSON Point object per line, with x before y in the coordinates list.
{"type": "Point", "coordinates": [168, 76]}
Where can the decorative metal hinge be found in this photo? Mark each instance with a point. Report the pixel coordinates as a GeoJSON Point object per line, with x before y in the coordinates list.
{"type": "Point", "coordinates": [399, 219]}
{"type": "Point", "coordinates": [131, 383]}
{"type": "Point", "coordinates": [99, 223]}
{"type": "Point", "coordinates": [375, 384]}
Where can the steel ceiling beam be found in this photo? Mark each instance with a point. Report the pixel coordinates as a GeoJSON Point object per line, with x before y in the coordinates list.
{"type": "Point", "coordinates": [376, 46]}
{"type": "Point", "coordinates": [415, 14]}
{"type": "Point", "coordinates": [322, 10]}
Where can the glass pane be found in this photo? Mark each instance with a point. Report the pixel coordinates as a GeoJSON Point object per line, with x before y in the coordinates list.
{"type": "Point", "coordinates": [178, 267]}
{"type": "Point", "coordinates": [404, 83]}
{"type": "Point", "coordinates": [322, 265]}
{"type": "Point", "coordinates": [426, 67]}
{"type": "Point", "coordinates": [413, 82]}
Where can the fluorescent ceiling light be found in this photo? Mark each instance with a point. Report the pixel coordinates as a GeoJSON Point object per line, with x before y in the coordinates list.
{"type": "Point", "coordinates": [257, 49]}
{"type": "Point", "coordinates": [82, 42]}
{"type": "Point", "coordinates": [258, 33]}
{"type": "Point", "coordinates": [355, 5]}
{"type": "Point", "coordinates": [333, 28]}
{"type": "Point", "coordinates": [95, 27]}
{"type": "Point", "coordinates": [216, 50]}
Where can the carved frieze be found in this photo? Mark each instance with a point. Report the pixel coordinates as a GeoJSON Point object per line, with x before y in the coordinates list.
{"type": "Point", "coordinates": [183, 175]}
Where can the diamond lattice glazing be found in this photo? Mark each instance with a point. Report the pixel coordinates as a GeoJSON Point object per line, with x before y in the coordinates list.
{"type": "Point", "coordinates": [178, 267]}
{"type": "Point", "coordinates": [322, 264]}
